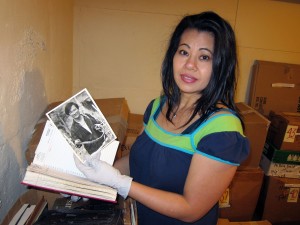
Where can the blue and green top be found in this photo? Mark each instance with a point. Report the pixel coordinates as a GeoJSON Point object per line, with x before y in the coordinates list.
{"type": "Point", "coordinates": [161, 159]}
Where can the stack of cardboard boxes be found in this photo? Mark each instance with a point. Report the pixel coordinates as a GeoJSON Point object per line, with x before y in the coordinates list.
{"type": "Point", "coordinates": [275, 93]}
{"type": "Point", "coordinates": [281, 156]}
{"type": "Point", "coordinates": [239, 201]}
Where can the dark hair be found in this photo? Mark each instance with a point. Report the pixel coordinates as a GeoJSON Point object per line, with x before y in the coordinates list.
{"type": "Point", "coordinates": [222, 85]}
{"type": "Point", "coordinates": [69, 106]}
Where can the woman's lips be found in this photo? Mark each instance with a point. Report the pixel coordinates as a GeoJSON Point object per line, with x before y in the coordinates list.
{"type": "Point", "coordinates": [187, 78]}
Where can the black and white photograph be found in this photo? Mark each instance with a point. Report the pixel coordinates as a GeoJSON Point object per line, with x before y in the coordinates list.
{"type": "Point", "coordinates": [82, 124]}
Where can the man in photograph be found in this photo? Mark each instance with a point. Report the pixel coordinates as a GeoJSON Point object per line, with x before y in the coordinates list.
{"type": "Point", "coordinates": [85, 129]}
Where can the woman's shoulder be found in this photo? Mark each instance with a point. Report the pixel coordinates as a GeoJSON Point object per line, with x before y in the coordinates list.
{"type": "Point", "coordinates": [154, 104]}
{"type": "Point", "coordinates": [219, 120]}
{"type": "Point", "coordinates": [222, 110]}
{"type": "Point", "coordinates": [151, 108]}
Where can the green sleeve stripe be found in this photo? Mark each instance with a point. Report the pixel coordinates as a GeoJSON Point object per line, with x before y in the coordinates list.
{"type": "Point", "coordinates": [155, 106]}
{"type": "Point", "coordinates": [174, 142]}
{"type": "Point", "coordinates": [179, 141]}
{"type": "Point", "coordinates": [188, 142]}
{"type": "Point", "coordinates": [219, 123]}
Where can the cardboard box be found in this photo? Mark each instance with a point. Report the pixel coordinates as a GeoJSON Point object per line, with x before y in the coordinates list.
{"type": "Point", "coordinates": [256, 129]}
{"type": "Point", "coordinates": [222, 221]}
{"type": "Point", "coordinates": [135, 125]}
{"type": "Point", "coordinates": [264, 222]}
{"type": "Point", "coordinates": [281, 156]}
{"type": "Point", "coordinates": [239, 201]}
{"type": "Point", "coordinates": [32, 197]}
{"type": "Point", "coordinates": [280, 163]}
{"type": "Point", "coordinates": [227, 222]}
{"type": "Point", "coordinates": [279, 201]}
{"type": "Point", "coordinates": [284, 131]}
{"type": "Point", "coordinates": [279, 169]}
{"type": "Point", "coordinates": [115, 110]}
{"type": "Point", "coordinates": [271, 81]}
{"type": "Point", "coordinates": [126, 145]}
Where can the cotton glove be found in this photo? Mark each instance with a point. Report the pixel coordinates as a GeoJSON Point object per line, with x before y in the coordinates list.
{"type": "Point", "coordinates": [103, 173]}
{"type": "Point", "coordinates": [74, 198]}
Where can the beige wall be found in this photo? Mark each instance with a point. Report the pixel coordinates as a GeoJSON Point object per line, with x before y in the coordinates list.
{"type": "Point", "coordinates": [36, 68]}
{"type": "Point", "coordinates": [119, 45]}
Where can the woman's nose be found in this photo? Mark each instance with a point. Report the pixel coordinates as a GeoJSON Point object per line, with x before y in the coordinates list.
{"type": "Point", "coordinates": [191, 63]}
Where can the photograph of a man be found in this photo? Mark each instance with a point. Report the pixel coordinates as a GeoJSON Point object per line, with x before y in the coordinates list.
{"type": "Point", "coordinates": [85, 129]}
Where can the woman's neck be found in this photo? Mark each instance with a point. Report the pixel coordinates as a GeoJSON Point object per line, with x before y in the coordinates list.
{"type": "Point", "coordinates": [186, 105]}
{"type": "Point", "coordinates": [179, 117]}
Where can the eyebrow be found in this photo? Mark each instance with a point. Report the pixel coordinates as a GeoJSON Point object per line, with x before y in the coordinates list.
{"type": "Point", "coordinates": [200, 49]}
{"type": "Point", "coordinates": [206, 50]}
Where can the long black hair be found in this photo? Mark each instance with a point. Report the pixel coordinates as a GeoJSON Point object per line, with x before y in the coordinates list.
{"type": "Point", "coordinates": [222, 85]}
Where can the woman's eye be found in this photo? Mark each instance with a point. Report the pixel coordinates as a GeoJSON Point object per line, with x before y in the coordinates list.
{"type": "Point", "coordinates": [204, 57]}
{"type": "Point", "coordinates": [183, 52]}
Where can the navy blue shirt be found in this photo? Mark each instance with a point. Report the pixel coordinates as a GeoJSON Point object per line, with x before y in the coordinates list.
{"type": "Point", "coordinates": [161, 159]}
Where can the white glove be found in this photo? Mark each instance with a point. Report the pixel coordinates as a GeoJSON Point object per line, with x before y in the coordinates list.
{"type": "Point", "coordinates": [101, 172]}
{"type": "Point", "coordinates": [73, 198]}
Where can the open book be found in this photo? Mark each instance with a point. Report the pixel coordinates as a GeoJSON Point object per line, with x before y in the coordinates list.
{"type": "Point", "coordinates": [53, 167]}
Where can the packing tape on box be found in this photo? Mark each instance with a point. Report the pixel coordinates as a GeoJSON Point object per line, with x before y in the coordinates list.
{"type": "Point", "coordinates": [292, 185]}
{"type": "Point", "coordinates": [283, 85]}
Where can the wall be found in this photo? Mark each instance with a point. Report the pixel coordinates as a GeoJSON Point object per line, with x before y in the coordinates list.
{"type": "Point", "coordinates": [119, 45]}
{"type": "Point", "coordinates": [36, 68]}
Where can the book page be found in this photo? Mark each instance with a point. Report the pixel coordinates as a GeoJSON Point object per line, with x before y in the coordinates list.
{"type": "Point", "coordinates": [82, 124]}
{"type": "Point", "coordinates": [65, 178]}
{"type": "Point", "coordinates": [108, 154]}
{"type": "Point", "coordinates": [46, 178]}
{"type": "Point", "coordinates": [54, 152]}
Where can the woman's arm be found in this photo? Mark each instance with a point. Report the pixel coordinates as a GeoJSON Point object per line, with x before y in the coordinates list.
{"type": "Point", "coordinates": [206, 182]}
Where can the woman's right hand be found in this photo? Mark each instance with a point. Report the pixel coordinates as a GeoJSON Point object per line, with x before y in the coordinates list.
{"type": "Point", "coordinates": [101, 172]}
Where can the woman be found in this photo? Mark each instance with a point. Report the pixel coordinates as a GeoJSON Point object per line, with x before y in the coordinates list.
{"type": "Point", "coordinates": [193, 140]}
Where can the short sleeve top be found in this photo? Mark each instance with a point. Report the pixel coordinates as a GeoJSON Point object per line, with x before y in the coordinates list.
{"type": "Point", "coordinates": [161, 159]}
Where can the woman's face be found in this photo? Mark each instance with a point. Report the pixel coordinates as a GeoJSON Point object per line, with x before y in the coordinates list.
{"type": "Point", "coordinates": [192, 62]}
